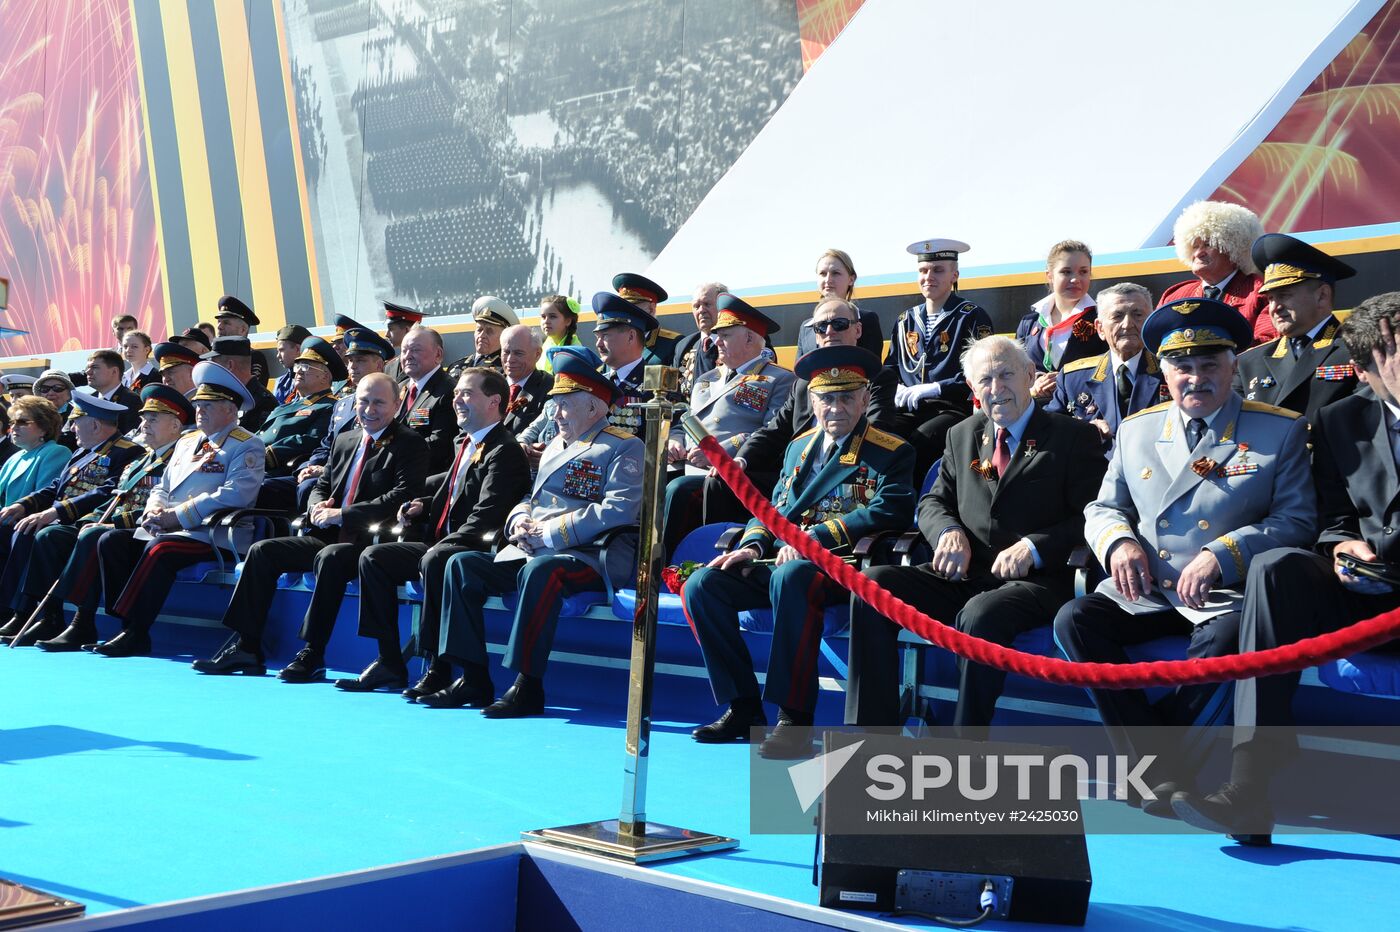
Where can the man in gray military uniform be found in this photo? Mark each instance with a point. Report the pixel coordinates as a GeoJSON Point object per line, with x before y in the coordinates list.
{"type": "Point", "coordinates": [1195, 490]}
{"type": "Point", "coordinates": [589, 483]}
{"type": "Point", "coordinates": [220, 465]}
{"type": "Point", "coordinates": [743, 393]}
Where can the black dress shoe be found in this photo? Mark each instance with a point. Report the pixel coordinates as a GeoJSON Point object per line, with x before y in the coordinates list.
{"type": "Point", "coordinates": [526, 697]}
{"type": "Point", "coordinates": [44, 630]}
{"type": "Point", "coordinates": [437, 678]}
{"type": "Point", "coordinates": [81, 631]}
{"type": "Point", "coordinates": [1161, 807]}
{"type": "Point", "coordinates": [232, 659]}
{"type": "Point", "coordinates": [308, 666]}
{"type": "Point", "coordinates": [474, 692]}
{"type": "Point", "coordinates": [126, 644]}
{"type": "Point", "coordinates": [1244, 816]}
{"type": "Point", "coordinates": [378, 675]}
{"type": "Point", "coordinates": [12, 627]}
{"type": "Point", "coordinates": [733, 725]}
{"type": "Point", "coordinates": [791, 739]}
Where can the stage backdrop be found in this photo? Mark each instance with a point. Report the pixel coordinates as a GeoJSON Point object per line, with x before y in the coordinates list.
{"type": "Point", "coordinates": [316, 156]}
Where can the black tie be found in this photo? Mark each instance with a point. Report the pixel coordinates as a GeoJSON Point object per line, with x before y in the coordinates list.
{"type": "Point", "coordinates": [731, 376]}
{"type": "Point", "coordinates": [1125, 389]}
{"type": "Point", "coordinates": [1212, 292]}
{"type": "Point", "coordinates": [1194, 431]}
{"type": "Point", "coordinates": [1297, 345]}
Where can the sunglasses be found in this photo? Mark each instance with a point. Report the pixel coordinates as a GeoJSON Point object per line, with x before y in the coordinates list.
{"type": "Point", "coordinates": [839, 324]}
{"type": "Point", "coordinates": [51, 389]}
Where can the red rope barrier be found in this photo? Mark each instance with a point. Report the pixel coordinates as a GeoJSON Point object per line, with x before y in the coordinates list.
{"type": "Point", "coordinates": [1285, 659]}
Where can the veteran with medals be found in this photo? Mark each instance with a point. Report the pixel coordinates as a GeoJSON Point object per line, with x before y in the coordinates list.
{"type": "Point", "coordinates": [926, 349]}
{"type": "Point", "coordinates": [742, 394]}
{"type": "Point", "coordinates": [1307, 367]}
{"type": "Point", "coordinates": [218, 466]}
{"type": "Point", "coordinates": [65, 550]}
{"type": "Point", "coordinates": [293, 430]}
{"type": "Point", "coordinates": [1197, 488]}
{"type": "Point", "coordinates": [620, 334]}
{"type": "Point", "coordinates": [840, 481]}
{"type": "Point", "coordinates": [589, 483]}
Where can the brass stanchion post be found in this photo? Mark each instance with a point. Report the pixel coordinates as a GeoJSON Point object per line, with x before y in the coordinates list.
{"type": "Point", "coordinates": [631, 837]}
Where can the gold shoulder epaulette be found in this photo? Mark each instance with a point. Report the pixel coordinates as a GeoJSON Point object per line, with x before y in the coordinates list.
{"type": "Point", "coordinates": [618, 432]}
{"type": "Point", "coordinates": [1261, 408]}
{"type": "Point", "coordinates": [668, 334]}
{"type": "Point", "coordinates": [124, 444]}
{"type": "Point", "coordinates": [1161, 407]}
{"type": "Point", "coordinates": [806, 433]}
{"type": "Point", "coordinates": [881, 439]}
{"type": "Point", "coordinates": [239, 434]}
{"type": "Point", "coordinates": [1088, 362]}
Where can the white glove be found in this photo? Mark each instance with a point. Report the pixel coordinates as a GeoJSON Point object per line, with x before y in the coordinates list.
{"type": "Point", "coordinates": [909, 396]}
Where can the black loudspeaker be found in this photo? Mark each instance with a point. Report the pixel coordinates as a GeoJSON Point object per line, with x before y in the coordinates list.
{"type": "Point", "coordinates": [946, 868]}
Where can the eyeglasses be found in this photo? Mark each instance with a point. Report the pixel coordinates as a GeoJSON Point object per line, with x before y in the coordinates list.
{"type": "Point", "coordinates": [51, 389]}
{"type": "Point", "coordinates": [839, 324]}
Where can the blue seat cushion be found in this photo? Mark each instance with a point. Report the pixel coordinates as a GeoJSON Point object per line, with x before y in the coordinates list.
{"type": "Point", "coordinates": [836, 621]}
{"type": "Point", "coordinates": [572, 606]}
{"type": "Point", "coordinates": [1374, 673]}
{"type": "Point", "coordinates": [197, 572]}
{"type": "Point", "coordinates": [669, 611]}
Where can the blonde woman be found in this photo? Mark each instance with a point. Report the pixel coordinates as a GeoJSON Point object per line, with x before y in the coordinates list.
{"type": "Point", "coordinates": [1059, 328]}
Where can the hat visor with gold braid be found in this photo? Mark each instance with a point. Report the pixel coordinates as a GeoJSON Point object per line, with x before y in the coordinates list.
{"type": "Point", "coordinates": [158, 405]}
{"type": "Point", "coordinates": [1195, 341]}
{"type": "Point", "coordinates": [208, 391]}
{"type": "Point", "coordinates": [565, 384]}
{"type": "Point", "coordinates": [1281, 275]}
{"type": "Point", "coordinates": [837, 379]}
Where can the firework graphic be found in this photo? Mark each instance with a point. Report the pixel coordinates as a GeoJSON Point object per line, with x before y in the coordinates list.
{"type": "Point", "coordinates": [77, 231]}
{"type": "Point", "coordinates": [820, 22]}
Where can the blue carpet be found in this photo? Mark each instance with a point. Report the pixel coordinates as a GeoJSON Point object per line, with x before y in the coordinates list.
{"type": "Point", "coordinates": [126, 782]}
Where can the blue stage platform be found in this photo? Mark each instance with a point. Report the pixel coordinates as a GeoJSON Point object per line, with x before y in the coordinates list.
{"type": "Point", "coordinates": [135, 782]}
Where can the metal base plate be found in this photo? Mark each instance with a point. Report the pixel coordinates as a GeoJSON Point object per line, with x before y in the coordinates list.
{"type": "Point", "coordinates": [607, 839]}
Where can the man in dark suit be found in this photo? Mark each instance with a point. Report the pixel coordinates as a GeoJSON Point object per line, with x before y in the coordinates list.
{"type": "Point", "coordinates": [104, 376]}
{"type": "Point", "coordinates": [697, 353]}
{"type": "Point", "coordinates": [372, 471]}
{"type": "Point", "coordinates": [529, 386]}
{"type": "Point", "coordinates": [427, 394]}
{"type": "Point", "coordinates": [1006, 511]}
{"type": "Point", "coordinates": [1307, 367]}
{"type": "Point", "coordinates": [835, 323]}
{"type": "Point", "coordinates": [462, 509]}
{"type": "Point", "coordinates": [1291, 593]}
{"type": "Point", "coordinates": [841, 481]}
{"type": "Point", "coordinates": [1103, 390]}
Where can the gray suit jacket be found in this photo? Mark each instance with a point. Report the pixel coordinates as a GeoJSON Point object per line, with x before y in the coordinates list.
{"type": "Point", "coordinates": [1252, 492]}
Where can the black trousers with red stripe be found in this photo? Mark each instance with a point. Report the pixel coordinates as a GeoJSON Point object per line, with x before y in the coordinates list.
{"type": "Point", "coordinates": [799, 595]}
{"type": "Point", "coordinates": [137, 574]}
{"type": "Point", "coordinates": [543, 583]}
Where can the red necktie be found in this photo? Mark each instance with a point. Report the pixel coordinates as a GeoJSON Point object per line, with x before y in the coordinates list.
{"type": "Point", "coordinates": [514, 394]}
{"type": "Point", "coordinates": [1001, 456]}
{"type": "Point", "coordinates": [451, 487]}
{"type": "Point", "coordinates": [411, 397]}
{"type": "Point", "coordinates": [353, 485]}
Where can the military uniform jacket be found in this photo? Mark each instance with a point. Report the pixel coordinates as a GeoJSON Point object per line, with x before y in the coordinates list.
{"type": "Point", "coordinates": [734, 409]}
{"type": "Point", "coordinates": [528, 403]}
{"type": "Point", "coordinates": [765, 447]}
{"type": "Point", "coordinates": [393, 370]}
{"type": "Point", "coordinates": [866, 485]}
{"type": "Point", "coordinates": [1087, 389]}
{"type": "Point", "coordinates": [1322, 374]}
{"type": "Point", "coordinates": [86, 482]}
{"type": "Point", "coordinates": [1054, 473]}
{"type": "Point", "coordinates": [253, 419]}
{"type": "Point", "coordinates": [1245, 489]}
{"type": "Point", "coordinates": [919, 358]}
{"type": "Point", "coordinates": [630, 391]}
{"type": "Point", "coordinates": [342, 418]}
{"type": "Point", "coordinates": [475, 360]}
{"type": "Point", "coordinates": [132, 490]}
{"type": "Point", "coordinates": [393, 473]}
{"type": "Point", "coordinates": [432, 418]}
{"type": "Point", "coordinates": [497, 478]}
{"type": "Point", "coordinates": [1358, 492]}
{"type": "Point", "coordinates": [209, 474]}
{"type": "Point", "coordinates": [294, 430]}
{"type": "Point", "coordinates": [1083, 341]}
{"type": "Point", "coordinates": [583, 490]}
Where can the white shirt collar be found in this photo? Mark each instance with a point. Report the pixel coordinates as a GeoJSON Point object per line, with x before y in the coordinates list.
{"type": "Point", "coordinates": [1224, 282]}
{"type": "Point", "coordinates": [423, 382]}
{"type": "Point", "coordinates": [1114, 362]}
{"type": "Point", "coordinates": [625, 370]}
{"type": "Point", "coordinates": [1209, 419]}
{"type": "Point", "coordinates": [1312, 334]}
{"type": "Point", "coordinates": [479, 435]}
